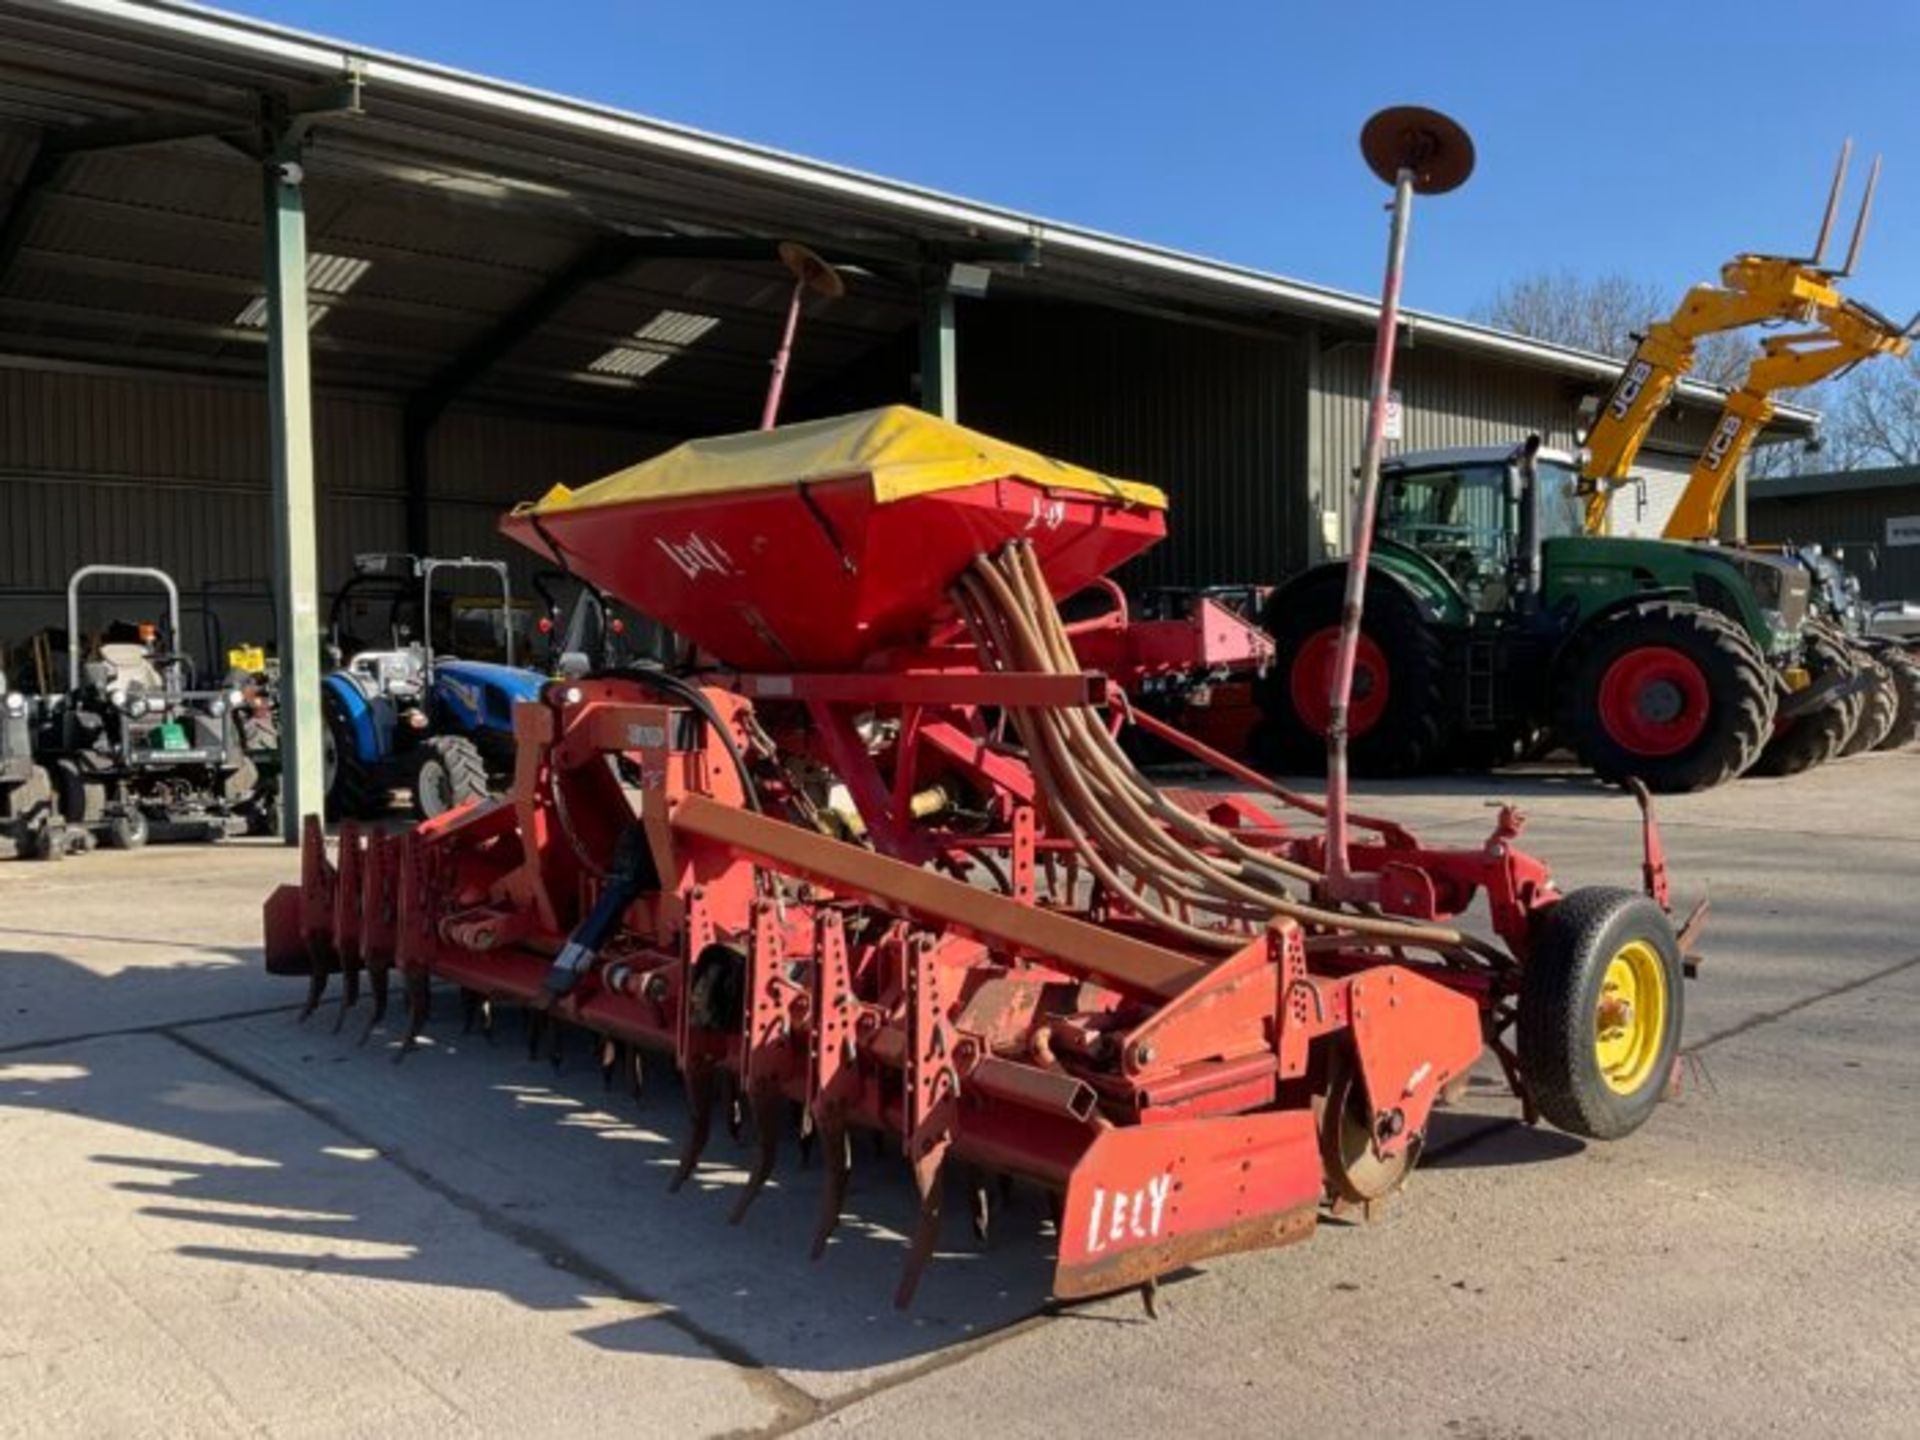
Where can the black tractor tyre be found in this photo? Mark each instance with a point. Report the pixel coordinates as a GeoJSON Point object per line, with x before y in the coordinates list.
{"type": "Point", "coordinates": [77, 802]}
{"type": "Point", "coordinates": [1740, 695]}
{"type": "Point", "coordinates": [1601, 1007]}
{"type": "Point", "coordinates": [1416, 727]}
{"type": "Point", "coordinates": [1879, 704]}
{"type": "Point", "coordinates": [353, 792]}
{"type": "Point", "coordinates": [1906, 689]}
{"type": "Point", "coordinates": [1813, 739]}
{"type": "Point", "coordinates": [128, 830]}
{"type": "Point", "coordinates": [448, 772]}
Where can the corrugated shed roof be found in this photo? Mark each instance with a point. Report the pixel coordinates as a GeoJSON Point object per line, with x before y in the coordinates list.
{"type": "Point", "coordinates": [466, 191]}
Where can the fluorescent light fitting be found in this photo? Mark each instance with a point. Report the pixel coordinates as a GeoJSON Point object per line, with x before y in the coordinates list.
{"type": "Point", "coordinates": [335, 274]}
{"type": "Point", "coordinates": [628, 362]}
{"type": "Point", "coordinates": [253, 315]}
{"type": "Point", "coordinates": [676, 327]}
{"type": "Point", "coordinates": [327, 274]}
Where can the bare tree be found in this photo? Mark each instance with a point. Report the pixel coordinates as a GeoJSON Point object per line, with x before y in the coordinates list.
{"type": "Point", "coordinates": [1877, 421]}
{"type": "Point", "coordinates": [1603, 313]}
{"type": "Point", "coordinates": [1871, 416]}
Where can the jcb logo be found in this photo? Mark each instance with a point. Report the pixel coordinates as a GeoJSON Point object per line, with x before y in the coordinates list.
{"type": "Point", "coordinates": [1725, 434]}
{"type": "Point", "coordinates": [1629, 388]}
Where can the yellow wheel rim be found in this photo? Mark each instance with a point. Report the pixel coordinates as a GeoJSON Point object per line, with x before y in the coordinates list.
{"type": "Point", "coordinates": [1630, 1017]}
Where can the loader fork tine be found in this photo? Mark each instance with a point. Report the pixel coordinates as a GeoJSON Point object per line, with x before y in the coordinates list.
{"type": "Point", "coordinates": [701, 1087]}
{"type": "Point", "coordinates": [837, 1147]}
{"type": "Point", "coordinates": [469, 1009]}
{"type": "Point", "coordinates": [611, 1052]}
{"type": "Point", "coordinates": [768, 1107]}
{"type": "Point", "coordinates": [556, 1043]}
{"type": "Point", "coordinates": [637, 1075]}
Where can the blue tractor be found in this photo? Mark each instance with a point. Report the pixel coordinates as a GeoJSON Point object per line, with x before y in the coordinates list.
{"type": "Point", "coordinates": [422, 685]}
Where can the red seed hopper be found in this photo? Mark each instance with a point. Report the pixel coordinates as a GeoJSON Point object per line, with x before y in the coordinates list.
{"type": "Point", "coordinates": [815, 545]}
{"type": "Point", "coordinates": [880, 862]}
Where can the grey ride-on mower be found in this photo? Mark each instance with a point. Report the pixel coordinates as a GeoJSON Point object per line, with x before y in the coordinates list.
{"type": "Point", "coordinates": [135, 749]}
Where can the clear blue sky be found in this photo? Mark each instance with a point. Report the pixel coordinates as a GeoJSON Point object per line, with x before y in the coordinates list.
{"type": "Point", "coordinates": [1654, 139]}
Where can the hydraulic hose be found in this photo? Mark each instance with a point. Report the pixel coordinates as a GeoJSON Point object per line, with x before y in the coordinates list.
{"type": "Point", "coordinates": [1163, 860]}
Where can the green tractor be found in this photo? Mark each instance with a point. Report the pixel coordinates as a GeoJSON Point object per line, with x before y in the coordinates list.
{"type": "Point", "coordinates": [1493, 623]}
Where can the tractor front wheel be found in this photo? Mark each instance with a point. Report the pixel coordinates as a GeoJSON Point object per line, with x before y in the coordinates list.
{"type": "Point", "coordinates": [1819, 735]}
{"type": "Point", "coordinates": [1906, 689]}
{"type": "Point", "coordinates": [349, 786]}
{"type": "Point", "coordinates": [1600, 1012]}
{"type": "Point", "coordinates": [1397, 720]}
{"type": "Point", "coordinates": [1879, 706]}
{"type": "Point", "coordinates": [1673, 694]}
{"type": "Point", "coordinates": [448, 772]}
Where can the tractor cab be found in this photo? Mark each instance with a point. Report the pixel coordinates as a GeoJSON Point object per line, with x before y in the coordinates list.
{"type": "Point", "coordinates": [1479, 514]}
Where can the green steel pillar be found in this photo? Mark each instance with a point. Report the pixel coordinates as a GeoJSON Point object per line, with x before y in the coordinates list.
{"type": "Point", "coordinates": [296, 549]}
{"type": "Point", "coordinates": [939, 372]}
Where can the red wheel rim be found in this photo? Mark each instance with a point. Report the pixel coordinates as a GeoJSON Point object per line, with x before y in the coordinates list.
{"type": "Point", "coordinates": [1312, 677]}
{"type": "Point", "coordinates": [1654, 701]}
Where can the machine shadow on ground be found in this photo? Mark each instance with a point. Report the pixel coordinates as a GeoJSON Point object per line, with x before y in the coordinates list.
{"type": "Point", "coordinates": [542, 1158]}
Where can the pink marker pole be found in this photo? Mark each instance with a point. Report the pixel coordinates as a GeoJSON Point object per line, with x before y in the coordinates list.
{"type": "Point", "coordinates": [1415, 151]}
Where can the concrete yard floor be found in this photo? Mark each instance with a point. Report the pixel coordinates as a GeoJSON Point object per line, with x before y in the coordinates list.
{"type": "Point", "coordinates": [218, 1222]}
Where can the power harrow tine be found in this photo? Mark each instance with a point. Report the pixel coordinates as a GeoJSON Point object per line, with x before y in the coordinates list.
{"type": "Point", "coordinates": [703, 1084]}
{"type": "Point", "coordinates": [769, 1109]}
{"type": "Point", "coordinates": [377, 924]}
{"type": "Point", "coordinates": [923, 893]}
{"type": "Point", "coordinates": [419, 991]}
{"type": "Point", "coordinates": [836, 1146]}
{"type": "Point", "coordinates": [348, 899]}
{"type": "Point", "coordinates": [929, 1175]}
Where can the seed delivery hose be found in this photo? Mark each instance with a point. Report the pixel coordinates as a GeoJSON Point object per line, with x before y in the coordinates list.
{"type": "Point", "coordinates": [1174, 868]}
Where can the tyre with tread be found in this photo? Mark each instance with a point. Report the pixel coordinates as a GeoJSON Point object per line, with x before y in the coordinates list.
{"type": "Point", "coordinates": [128, 830]}
{"type": "Point", "coordinates": [1815, 738]}
{"type": "Point", "coordinates": [1879, 705]}
{"type": "Point", "coordinates": [351, 789]}
{"type": "Point", "coordinates": [1905, 672]}
{"type": "Point", "coordinates": [40, 833]}
{"type": "Point", "coordinates": [1600, 1012]}
{"type": "Point", "coordinates": [448, 772]}
{"type": "Point", "coordinates": [1671, 693]}
{"type": "Point", "coordinates": [1399, 722]}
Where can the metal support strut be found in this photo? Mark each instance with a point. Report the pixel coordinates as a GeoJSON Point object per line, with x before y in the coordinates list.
{"type": "Point", "coordinates": [290, 456]}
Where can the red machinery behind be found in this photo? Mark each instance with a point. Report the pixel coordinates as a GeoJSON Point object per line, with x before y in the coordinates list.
{"type": "Point", "coordinates": [881, 864]}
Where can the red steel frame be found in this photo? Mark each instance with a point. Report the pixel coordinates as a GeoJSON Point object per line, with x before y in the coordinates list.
{"type": "Point", "coordinates": [1041, 1030]}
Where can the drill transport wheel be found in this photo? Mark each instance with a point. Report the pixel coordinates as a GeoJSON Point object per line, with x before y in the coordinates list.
{"type": "Point", "coordinates": [1600, 1012]}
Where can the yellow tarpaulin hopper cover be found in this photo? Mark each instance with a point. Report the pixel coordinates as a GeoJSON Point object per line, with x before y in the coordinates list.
{"type": "Point", "coordinates": [907, 452]}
